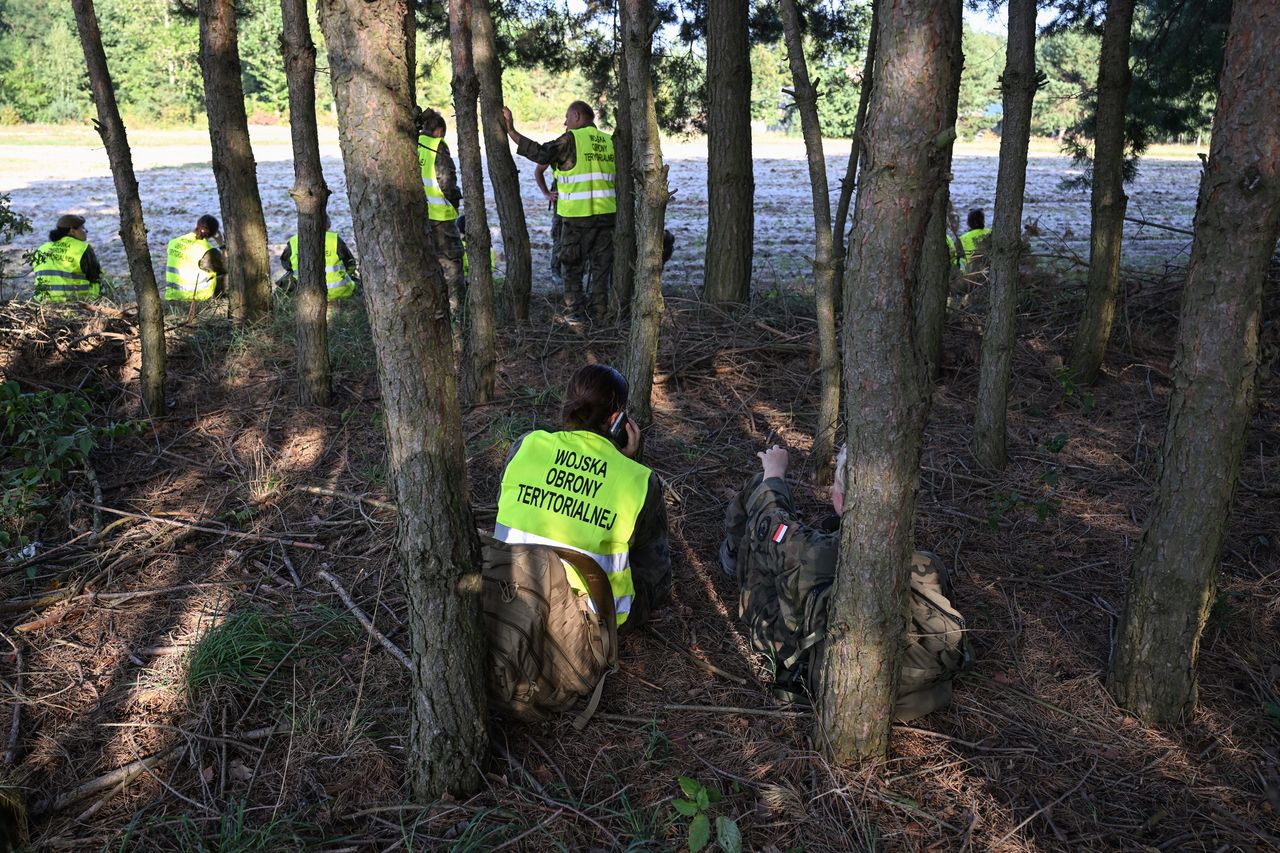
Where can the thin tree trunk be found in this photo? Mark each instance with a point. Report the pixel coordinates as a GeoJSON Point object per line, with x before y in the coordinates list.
{"type": "Point", "coordinates": [1172, 582]}
{"type": "Point", "coordinates": [935, 263]}
{"type": "Point", "coordinates": [133, 231]}
{"type": "Point", "coordinates": [646, 308]}
{"type": "Point", "coordinates": [310, 193]}
{"type": "Point", "coordinates": [1108, 199]}
{"type": "Point", "coordinates": [1019, 85]}
{"type": "Point", "coordinates": [856, 150]}
{"type": "Point", "coordinates": [502, 166]}
{"type": "Point", "coordinates": [730, 181]}
{"type": "Point", "coordinates": [481, 358]}
{"type": "Point", "coordinates": [234, 170]}
{"type": "Point", "coordinates": [409, 323]}
{"type": "Point", "coordinates": [624, 225]}
{"type": "Point", "coordinates": [824, 270]}
{"type": "Point", "coordinates": [886, 390]}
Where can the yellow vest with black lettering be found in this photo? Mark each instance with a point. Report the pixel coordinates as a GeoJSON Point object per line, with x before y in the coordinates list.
{"type": "Point", "coordinates": [439, 208]}
{"type": "Point", "coordinates": [573, 489]}
{"type": "Point", "coordinates": [969, 241]}
{"type": "Point", "coordinates": [183, 277]}
{"type": "Point", "coordinates": [588, 188]}
{"type": "Point", "coordinates": [58, 274]}
{"type": "Point", "coordinates": [337, 278]}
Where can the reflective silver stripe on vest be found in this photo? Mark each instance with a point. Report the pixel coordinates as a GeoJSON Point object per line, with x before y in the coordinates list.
{"type": "Point", "coordinates": [59, 288]}
{"type": "Point", "coordinates": [564, 196]}
{"type": "Point", "coordinates": [343, 283]}
{"type": "Point", "coordinates": [338, 268]}
{"type": "Point", "coordinates": [74, 276]}
{"type": "Point", "coordinates": [430, 183]}
{"type": "Point", "coordinates": [609, 562]}
{"type": "Point", "coordinates": [432, 201]}
{"type": "Point", "coordinates": [586, 176]}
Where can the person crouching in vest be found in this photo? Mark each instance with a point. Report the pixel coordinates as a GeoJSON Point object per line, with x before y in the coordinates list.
{"type": "Point", "coordinates": [340, 275]}
{"type": "Point", "coordinates": [580, 489]}
{"type": "Point", "coordinates": [440, 183]}
{"type": "Point", "coordinates": [974, 243]}
{"type": "Point", "coordinates": [582, 160]}
{"type": "Point", "coordinates": [65, 267]}
{"type": "Point", "coordinates": [194, 270]}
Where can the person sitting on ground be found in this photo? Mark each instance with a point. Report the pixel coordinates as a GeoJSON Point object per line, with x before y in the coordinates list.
{"type": "Point", "coordinates": [195, 265]}
{"type": "Point", "coordinates": [444, 197]}
{"type": "Point", "coordinates": [974, 243]}
{"type": "Point", "coordinates": [581, 489]}
{"type": "Point", "coordinates": [785, 571]}
{"type": "Point", "coordinates": [340, 274]}
{"type": "Point", "coordinates": [65, 267]}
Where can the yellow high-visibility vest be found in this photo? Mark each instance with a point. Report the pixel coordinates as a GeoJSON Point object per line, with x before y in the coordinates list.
{"type": "Point", "coordinates": [969, 241]}
{"type": "Point", "coordinates": [588, 188]}
{"type": "Point", "coordinates": [58, 274]}
{"type": "Point", "coordinates": [439, 208]}
{"type": "Point", "coordinates": [337, 278]}
{"type": "Point", "coordinates": [183, 277]}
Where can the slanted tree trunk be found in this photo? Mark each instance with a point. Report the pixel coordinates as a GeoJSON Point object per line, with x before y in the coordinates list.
{"type": "Point", "coordinates": [646, 308]}
{"type": "Point", "coordinates": [1019, 85]}
{"type": "Point", "coordinates": [502, 166]}
{"type": "Point", "coordinates": [824, 268]}
{"type": "Point", "coordinates": [234, 170]}
{"type": "Point", "coordinates": [856, 152]}
{"type": "Point", "coordinates": [730, 181]}
{"type": "Point", "coordinates": [935, 263]}
{"type": "Point", "coordinates": [624, 226]}
{"type": "Point", "coordinates": [409, 321]}
{"type": "Point", "coordinates": [310, 193]}
{"type": "Point", "coordinates": [1171, 584]}
{"type": "Point", "coordinates": [1108, 199]}
{"type": "Point", "coordinates": [133, 231]}
{"type": "Point", "coordinates": [886, 390]}
{"type": "Point", "coordinates": [481, 357]}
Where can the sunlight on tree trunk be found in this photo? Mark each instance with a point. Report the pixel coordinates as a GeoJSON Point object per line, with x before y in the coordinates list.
{"type": "Point", "coordinates": [409, 321]}
{"type": "Point", "coordinates": [1172, 581]}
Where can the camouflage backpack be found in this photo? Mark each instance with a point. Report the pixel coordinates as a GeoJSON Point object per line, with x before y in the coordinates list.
{"type": "Point", "coordinates": [549, 646]}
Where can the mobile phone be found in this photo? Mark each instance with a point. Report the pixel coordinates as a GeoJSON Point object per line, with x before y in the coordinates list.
{"type": "Point", "coordinates": [619, 427]}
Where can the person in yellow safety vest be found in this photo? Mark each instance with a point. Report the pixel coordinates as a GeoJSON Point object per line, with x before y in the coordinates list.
{"type": "Point", "coordinates": [440, 183]}
{"type": "Point", "coordinates": [194, 265]}
{"type": "Point", "coordinates": [466, 260]}
{"type": "Point", "coordinates": [580, 488]}
{"type": "Point", "coordinates": [971, 241]}
{"type": "Point", "coordinates": [66, 267]}
{"type": "Point", "coordinates": [340, 274]}
{"type": "Point", "coordinates": [582, 160]}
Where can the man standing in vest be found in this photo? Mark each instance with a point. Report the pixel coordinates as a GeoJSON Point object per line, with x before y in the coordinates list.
{"type": "Point", "coordinates": [65, 267]}
{"type": "Point", "coordinates": [582, 160]}
{"type": "Point", "coordinates": [440, 182]}
{"type": "Point", "coordinates": [339, 264]}
{"type": "Point", "coordinates": [194, 265]}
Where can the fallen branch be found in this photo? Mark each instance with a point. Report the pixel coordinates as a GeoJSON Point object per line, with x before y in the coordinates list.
{"type": "Point", "coordinates": [1135, 220]}
{"type": "Point", "coordinates": [120, 776]}
{"type": "Point", "coordinates": [351, 496]}
{"type": "Point", "coordinates": [11, 745]}
{"type": "Point", "coordinates": [254, 537]}
{"type": "Point", "coordinates": [364, 620]}
{"type": "Point", "coordinates": [707, 665]}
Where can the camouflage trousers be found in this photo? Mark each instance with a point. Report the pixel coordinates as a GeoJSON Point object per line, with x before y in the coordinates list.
{"type": "Point", "coordinates": [446, 245]}
{"type": "Point", "coordinates": [586, 251]}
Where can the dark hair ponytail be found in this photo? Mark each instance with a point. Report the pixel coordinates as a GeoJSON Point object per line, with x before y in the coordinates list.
{"type": "Point", "coordinates": [595, 392]}
{"type": "Point", "coordinates": [206, 227]}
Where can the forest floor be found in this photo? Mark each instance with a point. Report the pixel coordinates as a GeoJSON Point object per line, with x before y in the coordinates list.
{"type": "Point", "coordinates": [276, 723]}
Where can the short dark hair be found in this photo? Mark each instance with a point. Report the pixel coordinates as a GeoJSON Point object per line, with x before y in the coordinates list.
{"type": "Point", "coordinates": [977, 219]}
{"type": "Point", "coordinates": [206, 226]}
{"type": "Point", "coordinates": [583, 109]}
{"type": "Point", "coordinates": [595, 392]}
{"type": "Point", "coordinates": [430, 121]}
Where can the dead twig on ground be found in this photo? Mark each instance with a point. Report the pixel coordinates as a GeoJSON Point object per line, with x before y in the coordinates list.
{"type": "Point", "coordinates": [351, 496]}
{"type": "Point", "coordinates": [120, 776]}
{"type": "Point", "coordinates": [363, 618]}
{"type": "Point", "coordinates": [11, 745]}
{"type": "Point", "coordinates": [254, 537]}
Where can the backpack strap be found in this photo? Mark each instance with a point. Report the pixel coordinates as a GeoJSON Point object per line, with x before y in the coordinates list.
{"type": "Point", "coordinates": [602, 596]}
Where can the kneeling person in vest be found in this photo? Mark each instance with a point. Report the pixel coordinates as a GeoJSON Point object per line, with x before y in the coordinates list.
{"type": "Point", "coordinates": [194, 269]}
{"type": "Point", "coordinates": [785, 572]}
{"type": "Point", "coordinates": [440, 183]}
{"type": "Point", "coordinates": [974, 243]}
{"type": "Point", "coordinates": [65, 267]}
{"type": "Point", "coordinates": [340, 275]}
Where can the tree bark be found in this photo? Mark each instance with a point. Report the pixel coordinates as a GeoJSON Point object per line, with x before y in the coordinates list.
{"type": "Point", "coordinates": [502, 166]}
{"type": "Point", "coordinates": [1019, 85]}
{"type": "Point", "coordinates": [133, 231]}
{"type": "Point", "coordinates": [310, 193]}
{"type": "Point", "coordinates": [481, 356]}
{"type": "Point", "coordinates": [730, 179]}
{"type": "Point", "coordinates": [624, 226]}
{"type": "Point", "coordinates": [886, 390]}
{"type": "Point", "coordinates": [824, 269]}
{"type": "Point", "coordinates": [234, 170]}
{"type": "Point", "coordinates": [409, 323]}
{"type": "Point", "coordinates": [856, 151]}
{"type": "Point", "coordinates": [1171, 583]}
{"type": "Point", "coordinates": [646, 308]}
{"type": "Point", "coordinates": [1108, 199]}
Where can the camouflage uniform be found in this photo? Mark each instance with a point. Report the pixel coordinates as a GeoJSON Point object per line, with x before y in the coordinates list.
{"type": "Point", "coordinates": [444, 239]}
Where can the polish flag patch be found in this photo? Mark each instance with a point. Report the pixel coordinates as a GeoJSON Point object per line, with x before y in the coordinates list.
{"type": "Point", "coordinates": [780, 533]}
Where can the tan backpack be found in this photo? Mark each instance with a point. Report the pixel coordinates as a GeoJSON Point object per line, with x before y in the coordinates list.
{"type": "Point", "coordinates": [549, 645]}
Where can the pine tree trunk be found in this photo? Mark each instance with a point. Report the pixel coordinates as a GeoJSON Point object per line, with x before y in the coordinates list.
{"type": "Point", "coordinates": [1019, 85]}
{"type": "Point", "coordinates": [481, 357]}
{"type": "Point", "coordinates": [1171, 584]}
{"type": "Point", "coordinates": [886, 390]}
{"type": "Point", "coordinates": [310, 193]}
{"type": "Point", "coordinates": [824, 270]}
{"type": "Point", "coordinates": [624, 225]}
{"type": "Point", "coordinates": [646, 308]}
{"type": "Point", "coordinates": [856, 152]}
{"type": "Point", "coordinates": [234, 170]}
{"type": "Point", "coordinates": [1108, 200]}
{"type": "Point", "coordinates": [409, 322]}
{"type": "Point", "coordinates": [730, 179]}
{"type": "Point", "coordinates": [133, 231]}
{"type": "Point", "coordinates": [502, 166]}
{"type": "Point", "coordinates": [935, 264]}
